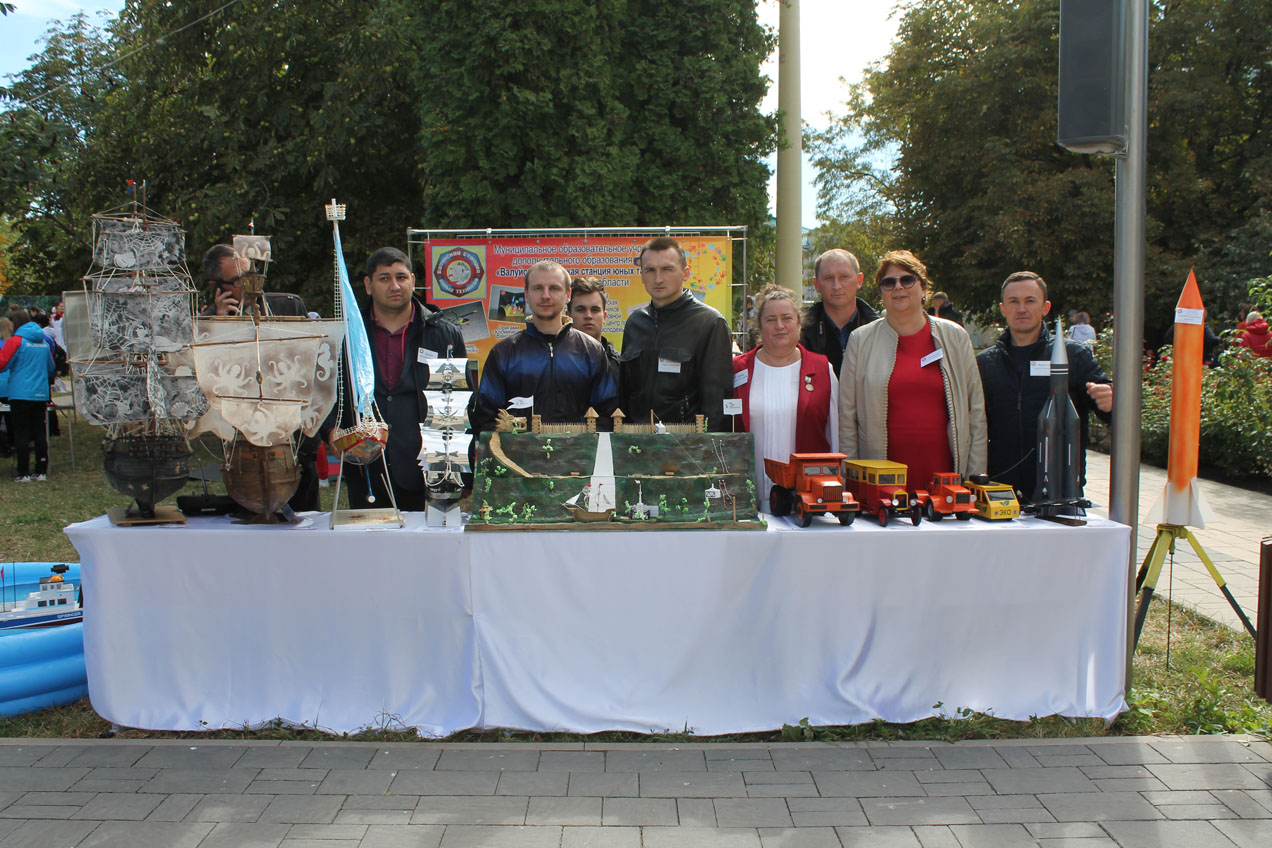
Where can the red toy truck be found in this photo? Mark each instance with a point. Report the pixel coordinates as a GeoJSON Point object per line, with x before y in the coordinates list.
{"type": "Point", "coordinates": [810, 485]}
{"type": "Point", "coordinates": [879, 486]}
{"type": "Point", "coordinates": [946, 495]}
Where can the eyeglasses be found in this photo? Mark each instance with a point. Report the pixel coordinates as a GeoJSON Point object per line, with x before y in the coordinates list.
{"type": "Point", "coordinates": [906, 281]}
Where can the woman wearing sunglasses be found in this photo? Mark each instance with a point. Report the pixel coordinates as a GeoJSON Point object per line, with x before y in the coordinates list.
{"type": "Point", "coordinates": [909, 389]}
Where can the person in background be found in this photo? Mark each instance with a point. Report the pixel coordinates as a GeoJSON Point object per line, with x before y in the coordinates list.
{"type": "Point", "coordinates": [1255, 335]}
{"type": "Point", "coordinates": [1082, 331]}
{"type": "Point", "coordinates": [28, 359]}
{"type": "Point", "coordinates": [587, 310]}
{"type": "Point", "coordinates": [909, 390]}
{"type": "Point", "coordinates": [6, 421]}
{"type": "Point", "coordinates": [943, 307]}
{"type": "Point", "coordinates": [790, 396]}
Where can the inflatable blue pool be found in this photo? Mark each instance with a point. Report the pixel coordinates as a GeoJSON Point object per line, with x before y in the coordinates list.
{"type": "Point", "coordinates": [44, 666]}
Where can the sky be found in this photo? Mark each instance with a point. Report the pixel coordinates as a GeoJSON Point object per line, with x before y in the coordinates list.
{"type": "Point", "coordinates": [839, 38]}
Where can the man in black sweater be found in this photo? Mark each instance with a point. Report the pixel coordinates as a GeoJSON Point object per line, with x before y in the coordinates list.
{"type": "Point", "coordinates": [1016, 376]}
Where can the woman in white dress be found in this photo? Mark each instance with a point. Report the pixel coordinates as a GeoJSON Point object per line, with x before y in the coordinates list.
{"type": "Point", "coordinates": [790, 396]}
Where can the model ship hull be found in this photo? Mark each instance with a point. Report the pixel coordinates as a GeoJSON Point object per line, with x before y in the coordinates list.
{"type": "Point", "coordinates": [261, 479]}
{"type": "Point", "coordinates": [589, 517]}
{"type": "Point", "coordinates": [147, 468]}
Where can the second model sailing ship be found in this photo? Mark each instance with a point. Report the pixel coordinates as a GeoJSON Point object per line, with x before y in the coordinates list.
{"type": "Point", "coordinates": [270, 381]}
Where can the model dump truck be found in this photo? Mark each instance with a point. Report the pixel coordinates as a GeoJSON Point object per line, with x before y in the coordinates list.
{"type": "Point", "coordinates": [993, 501]}
{"type": "Point", "coordinates": [810, 484]}
{"type": "Point", "coordinates": [879, 486]}
{"type": "Point", "coordinates": [945, 495]}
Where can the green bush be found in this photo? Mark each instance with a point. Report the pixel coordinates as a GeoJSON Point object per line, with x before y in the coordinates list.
{"type": "Point", "coordinates": [1236, 409]}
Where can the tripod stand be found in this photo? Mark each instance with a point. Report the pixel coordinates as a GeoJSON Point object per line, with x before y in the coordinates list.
{"type": "Point", "coordinates": [1152, 569]}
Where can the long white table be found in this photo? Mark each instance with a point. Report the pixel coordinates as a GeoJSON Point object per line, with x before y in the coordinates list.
{"type": "Point", "coordinates": [215, 625]}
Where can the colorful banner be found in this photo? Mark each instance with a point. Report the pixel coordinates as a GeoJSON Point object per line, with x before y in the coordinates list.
{"type": "Point", "coordinates": [479, 282]}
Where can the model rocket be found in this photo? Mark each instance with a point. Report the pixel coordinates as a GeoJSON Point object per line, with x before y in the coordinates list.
{"type": "Point", "coordinates": [1059, 436]}
{"type": "Point", "coordinates": [1181, 503]}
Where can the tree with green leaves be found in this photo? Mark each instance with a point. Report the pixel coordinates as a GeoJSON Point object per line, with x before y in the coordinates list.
{"type": "Point", "coordinates": [955, 134]}
{"type": "Point", "coordinates": [438, 114]}
{"type": "Point", "coordinates": [50, 113]}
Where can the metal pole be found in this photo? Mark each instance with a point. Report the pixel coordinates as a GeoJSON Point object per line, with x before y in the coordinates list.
{"type": "Point", "coordinates": [789, 270]}
{"type": "Point", "coordinates": [1128, 299]}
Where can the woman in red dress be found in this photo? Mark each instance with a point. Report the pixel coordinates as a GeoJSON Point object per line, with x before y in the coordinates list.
{"type": "Point", "coordinates": [909, 389]}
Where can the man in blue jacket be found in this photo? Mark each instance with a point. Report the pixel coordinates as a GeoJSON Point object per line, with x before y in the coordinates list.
{"type": "Point", "coordinates": [561, 370]}
{"type": "Point", "coordinates": [28, 360]}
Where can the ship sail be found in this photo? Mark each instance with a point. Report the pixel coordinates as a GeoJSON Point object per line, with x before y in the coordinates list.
{"type": "Point", "coordinates": [266, 380]}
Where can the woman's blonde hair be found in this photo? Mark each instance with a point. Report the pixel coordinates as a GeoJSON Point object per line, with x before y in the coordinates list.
{"type": "Point", "coordinates": [773, 292]}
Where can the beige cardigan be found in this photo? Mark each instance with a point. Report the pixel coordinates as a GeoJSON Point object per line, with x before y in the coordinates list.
{"type": "Point", "coordinates": [863, 394]}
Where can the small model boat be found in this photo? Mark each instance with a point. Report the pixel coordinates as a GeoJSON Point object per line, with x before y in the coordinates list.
{"type": "Point", "coordinates": [56, 602]}
{"type": "Point", "coordinates": [596, 509]}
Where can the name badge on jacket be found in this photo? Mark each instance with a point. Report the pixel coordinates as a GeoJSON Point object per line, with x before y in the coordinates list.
{"type": "Point", "coordinates": [667, 366]}
{"type": "Point", "coordinates": [934, 356]}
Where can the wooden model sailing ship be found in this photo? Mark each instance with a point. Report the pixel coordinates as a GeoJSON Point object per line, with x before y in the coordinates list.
{"type": "Point", "coordinates": [362, 442]}
{"type": "Point", "coordinates": [128, 333]}
{"type": "Point", "coordinates": [269, 380]}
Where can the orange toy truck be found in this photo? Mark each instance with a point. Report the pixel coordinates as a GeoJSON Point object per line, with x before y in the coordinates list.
{"type": "Point", "coordinates": [945, 495]}
{"type": "Point", "coordinates": [810, 484]}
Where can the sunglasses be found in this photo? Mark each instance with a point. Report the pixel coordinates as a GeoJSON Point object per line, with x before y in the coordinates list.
{"type": "Point", "coordinates": [906, 281]}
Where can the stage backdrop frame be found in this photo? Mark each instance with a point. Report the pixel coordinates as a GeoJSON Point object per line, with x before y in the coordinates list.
{"type": "Point", "coordinates": [475, 275]}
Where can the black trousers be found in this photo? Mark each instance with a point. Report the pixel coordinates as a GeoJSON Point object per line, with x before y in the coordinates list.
{"type": "Point", "coordinates": [28, 427]}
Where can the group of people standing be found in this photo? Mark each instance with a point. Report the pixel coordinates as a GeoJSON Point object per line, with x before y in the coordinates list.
{"type": "Point", "coordinates": [910, 387]}
{"type": "Point", "coordinates": [900, 384]}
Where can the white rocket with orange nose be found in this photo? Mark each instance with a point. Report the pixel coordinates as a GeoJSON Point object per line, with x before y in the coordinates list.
{"type": "Point", "coordinates": [1181, 503]}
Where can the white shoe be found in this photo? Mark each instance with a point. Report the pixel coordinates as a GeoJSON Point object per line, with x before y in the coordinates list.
{"type": "Point", "coordinates": [40, 478]}
{"type": "Point", "coordinates": [22, 479]}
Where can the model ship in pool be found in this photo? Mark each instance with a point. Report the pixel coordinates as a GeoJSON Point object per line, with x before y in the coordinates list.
{"type": "Point", "coordinates": [55, 602]}
{"type": "Point", "coordinates": [571, 477]}
{"type": "Point", "coordinates": [128, 333]}
{"type": "Point", "coordinates": [270, 381]}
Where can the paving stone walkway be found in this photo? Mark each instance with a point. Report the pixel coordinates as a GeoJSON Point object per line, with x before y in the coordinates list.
{"type": "Point", "coordinates": [1155, 792]}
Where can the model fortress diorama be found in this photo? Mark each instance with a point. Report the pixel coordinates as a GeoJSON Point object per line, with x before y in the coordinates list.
{"type": "Point", "coordinates": [128, 334]}
{"type": "Point", "coordinates": [654, 476]}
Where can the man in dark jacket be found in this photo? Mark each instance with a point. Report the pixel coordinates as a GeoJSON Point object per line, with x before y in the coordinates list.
{"type": "Point", "coordinates": [830, 321]}
{"type": "Point", "coordinates": [1016, 376]}
{"type": "Point", "coordinates": [677, 357]}
{"type": "Point", "coordinates": [405, 335]}
{"type": "Point", "coordinates": [557, 371]}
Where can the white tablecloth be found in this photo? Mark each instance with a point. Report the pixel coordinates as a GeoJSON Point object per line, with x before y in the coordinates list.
{"type": "Point", "coordinates": [723, 631]}
{"type": "Point", "coordinates": [211, 625]}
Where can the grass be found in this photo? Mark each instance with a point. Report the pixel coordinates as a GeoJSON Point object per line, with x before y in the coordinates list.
{"type": "Point", "coordinates": [1201, 683]}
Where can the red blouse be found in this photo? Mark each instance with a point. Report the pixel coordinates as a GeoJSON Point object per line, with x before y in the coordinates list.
{"type": "Point", "coordinates": [918, 418]}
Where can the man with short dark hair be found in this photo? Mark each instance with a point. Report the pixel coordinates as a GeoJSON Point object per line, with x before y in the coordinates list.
{"type": "Point", "coordinates": [563, 370]}
{"type": "Point", "coordinates": [587, 311]}
{"type": "Point", "coordinates": [224, 269]}
{"type": "Point", "coordinates": [677, 357]}
{"type": "Point", "coordinates": [1016, 377]}
{"type": "Point", "coordinates": [829, 322]}
{"type": "Point", "coordinates": [405, 335]}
